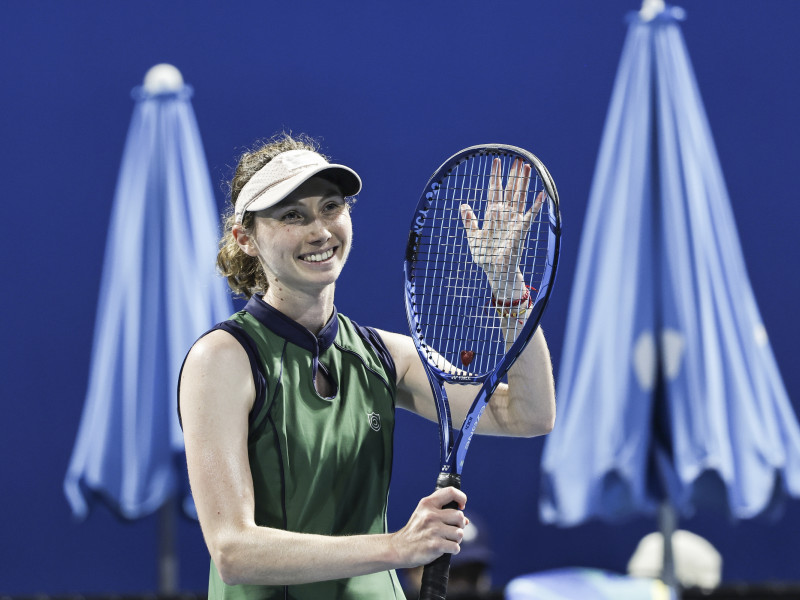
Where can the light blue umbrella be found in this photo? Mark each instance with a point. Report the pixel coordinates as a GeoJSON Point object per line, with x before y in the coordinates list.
{"type": "Point", "coordinates": [159, 292]}
{"type": "Point", "coordinates": [668, 390]}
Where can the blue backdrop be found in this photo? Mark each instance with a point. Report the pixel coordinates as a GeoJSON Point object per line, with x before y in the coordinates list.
{"type": "Point", "coordinates": [392, 90]}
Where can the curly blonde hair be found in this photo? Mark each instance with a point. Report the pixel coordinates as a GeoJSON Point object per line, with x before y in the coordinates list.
{"type": "Point", "coordinates": [244, 273]}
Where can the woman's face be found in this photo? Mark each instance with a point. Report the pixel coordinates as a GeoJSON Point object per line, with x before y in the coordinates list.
{"type": "Point", "coordinates": [303, 241]}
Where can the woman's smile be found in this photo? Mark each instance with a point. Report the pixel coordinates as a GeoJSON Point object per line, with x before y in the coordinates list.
{"type": "Point", "coordinates": [319, 256]}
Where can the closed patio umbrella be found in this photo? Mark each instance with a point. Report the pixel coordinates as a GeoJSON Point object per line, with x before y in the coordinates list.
{"type": "Point", "coordinates": [159, 292]}
{"type": "Point", "coordinates": [669, 394]}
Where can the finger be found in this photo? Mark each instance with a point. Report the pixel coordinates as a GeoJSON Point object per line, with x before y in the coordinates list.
{"type": "Point", "coordinates": [532, 212]}
{"type": "Point", "coordinates": [521, 193]}
{"type": "Point", "coordinates": [492, 219]}
{"type": "Point", "coordinates": [518, 192]}
{"type": "Point", "coordinates": [537, 205]}
{"type": "Point", "coordinates": [450, 494]}
{"type": "Point", "coordinates": [449, 546]}
{"type": "Point", "coordinates": [454, 517]}
{"type": "Point", "coordinates": [495, 182]}
{"type": "Point", "coordinates": [454, 534]}
{"type": "Point", "coordinates": [526, 224]}
{"type": "Point", "coordinates": [468, 218]}
{"type": "Point", "coordinates": [511, 182]}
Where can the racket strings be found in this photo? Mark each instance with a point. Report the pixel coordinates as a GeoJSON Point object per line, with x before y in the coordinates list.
{"type": "Point", "coordinates": [460, 327]}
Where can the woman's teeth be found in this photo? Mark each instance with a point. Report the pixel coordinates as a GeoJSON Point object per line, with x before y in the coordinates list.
{"type": "Point", "coordinates": [319, 257]}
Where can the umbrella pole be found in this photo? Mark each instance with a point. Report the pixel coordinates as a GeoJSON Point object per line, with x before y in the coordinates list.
{"type": "Point", "coordinates": [668, 523]}
{"type": "Point", "coordinates": [167, 554]}
{"type": "Point", "coordinates": [667, 515]}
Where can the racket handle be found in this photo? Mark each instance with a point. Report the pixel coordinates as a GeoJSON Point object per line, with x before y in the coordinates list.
{"type": "Point", "coordinates": [436, 574]}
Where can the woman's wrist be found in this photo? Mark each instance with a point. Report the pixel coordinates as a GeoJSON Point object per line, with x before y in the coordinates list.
{"type": "Point", "coordinates": [509, 290]}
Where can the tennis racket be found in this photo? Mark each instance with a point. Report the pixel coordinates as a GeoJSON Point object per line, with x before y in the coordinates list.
{"type": "Point", "coordinates": [480, 265]}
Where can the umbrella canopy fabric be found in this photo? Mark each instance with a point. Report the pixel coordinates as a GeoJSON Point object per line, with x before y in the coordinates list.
{"type": "Point", "coordinates": [668, 388]}
{"type": "Point", "coordinates": [159, 292]}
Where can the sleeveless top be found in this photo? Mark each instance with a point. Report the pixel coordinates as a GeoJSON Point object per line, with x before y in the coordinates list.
{"type": "Point", "coordinates": [319, 465]}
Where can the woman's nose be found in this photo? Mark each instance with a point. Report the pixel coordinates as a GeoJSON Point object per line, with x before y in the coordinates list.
{"type": "Point", "coordinates": [318, 230]}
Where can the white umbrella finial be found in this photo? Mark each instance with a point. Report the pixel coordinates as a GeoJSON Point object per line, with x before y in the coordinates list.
{"type": "Point", "coordinates": [163, 78]}
{"type": "Point", "coordinates": [651, 8]}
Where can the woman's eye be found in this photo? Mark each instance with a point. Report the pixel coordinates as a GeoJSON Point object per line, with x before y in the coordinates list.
{"type": "Point", "coordinates": [333, 206]}
{"type": "Point", "coordinates": [291, 216]}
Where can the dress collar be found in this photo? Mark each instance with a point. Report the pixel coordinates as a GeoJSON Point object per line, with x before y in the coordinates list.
{"type": "Point", "coordinates": [291, 330]}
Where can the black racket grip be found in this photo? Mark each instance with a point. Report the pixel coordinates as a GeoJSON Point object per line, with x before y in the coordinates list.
{"type": "Point", "coordinates": [435, 575]}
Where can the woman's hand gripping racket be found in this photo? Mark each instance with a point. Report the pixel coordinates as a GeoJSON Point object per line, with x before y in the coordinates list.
{"type": "Point", "coordinates": [480, 264]}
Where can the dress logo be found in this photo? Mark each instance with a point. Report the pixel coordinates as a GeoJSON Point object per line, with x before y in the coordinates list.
{"type": "Point", "coordinates": [374, 421]}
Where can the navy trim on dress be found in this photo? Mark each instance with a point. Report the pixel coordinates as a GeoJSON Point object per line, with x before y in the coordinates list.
{"type": "Point", "coordinates": [249, 346]}
{"type": "Point", "coordinates": [256, 366]}
{"type": "Point", "coordinates": [291, 330]}
{"type": "Point", "coordinates": [373, 338]}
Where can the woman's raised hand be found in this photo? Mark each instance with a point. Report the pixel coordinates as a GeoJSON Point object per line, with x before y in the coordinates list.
{"type": "Point", "coordinates": [496, 246]}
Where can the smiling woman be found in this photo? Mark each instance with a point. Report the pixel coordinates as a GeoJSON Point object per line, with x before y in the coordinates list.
{"type": "Point", "coordinates": [302, 244]}
{"type": "Point", "coordinates": [288, 406]}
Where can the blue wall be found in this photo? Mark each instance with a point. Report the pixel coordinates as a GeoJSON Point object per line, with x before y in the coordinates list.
{"type": "Point", "coordinates": [392, 90]}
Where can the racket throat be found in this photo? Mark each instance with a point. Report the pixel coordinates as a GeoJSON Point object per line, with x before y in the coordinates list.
{"type": "Point", "coordinates": [448, 464]}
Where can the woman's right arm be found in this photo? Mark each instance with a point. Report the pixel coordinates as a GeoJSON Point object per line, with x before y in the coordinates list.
{"type": "Point", "coordinates": [216, 396]}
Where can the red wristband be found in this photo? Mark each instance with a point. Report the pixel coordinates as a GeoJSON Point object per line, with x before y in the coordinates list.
{"type": "Point", "coordinates": [513, 308]}
{"type": "Point", "coordinates": [510, 303]}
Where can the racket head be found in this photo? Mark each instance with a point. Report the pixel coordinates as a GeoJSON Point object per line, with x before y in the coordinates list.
{"type": "Point", "coordinates": [455, 326]}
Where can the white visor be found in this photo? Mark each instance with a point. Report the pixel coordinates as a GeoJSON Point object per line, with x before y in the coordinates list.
{"type": "Point", "coordinates": [285, 173]}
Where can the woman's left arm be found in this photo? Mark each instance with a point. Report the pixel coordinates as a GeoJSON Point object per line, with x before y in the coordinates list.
{"type": "Point", "coordinates": [525, 407]}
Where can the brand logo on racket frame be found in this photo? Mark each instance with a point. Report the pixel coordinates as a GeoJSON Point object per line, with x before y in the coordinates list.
{"type": "Point", "coordinates": [469, 426]}
{"type": "Point", "coordinates": [422, 212]}
{"type": "Point", "coordinates": [461, 378]}
{"type": "Point", "coordinates": [419, 219]}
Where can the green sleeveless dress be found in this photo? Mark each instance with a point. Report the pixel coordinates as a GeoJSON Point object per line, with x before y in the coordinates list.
{"type": "Point", "coordinates": [319, 465]}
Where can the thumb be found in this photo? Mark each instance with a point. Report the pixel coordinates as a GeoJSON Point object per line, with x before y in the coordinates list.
{"type": "Point", "coordinates": [468, 218]}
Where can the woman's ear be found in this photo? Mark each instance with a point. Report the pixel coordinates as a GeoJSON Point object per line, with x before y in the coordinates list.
{"type": "Point", "coordinates": [244, 239]}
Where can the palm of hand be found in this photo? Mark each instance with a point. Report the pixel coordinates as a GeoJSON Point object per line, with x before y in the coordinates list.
{"type": "Point", "coordinates": [497, 246]}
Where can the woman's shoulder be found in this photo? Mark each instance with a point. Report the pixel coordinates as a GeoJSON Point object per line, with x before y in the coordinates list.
{"type": "Point", "coordinates": [217, 349]}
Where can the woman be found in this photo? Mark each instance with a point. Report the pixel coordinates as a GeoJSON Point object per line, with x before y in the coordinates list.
{"type": "Point", "coordinates": [288, 408]}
